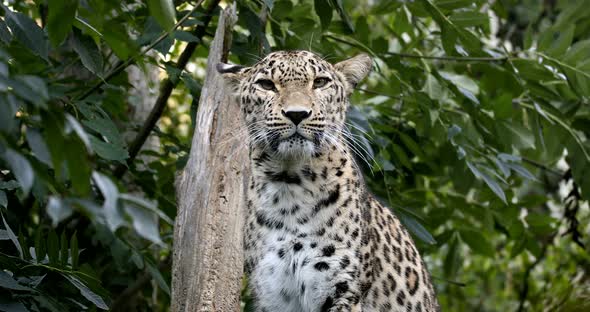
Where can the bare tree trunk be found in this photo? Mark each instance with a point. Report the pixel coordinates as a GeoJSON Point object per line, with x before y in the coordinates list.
{"type": "Point", "coordinates": [207, 263]}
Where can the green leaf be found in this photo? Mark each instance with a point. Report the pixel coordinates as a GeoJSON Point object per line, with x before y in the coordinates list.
{"type": "Point", "coordinates": [520, 136]}
{"type": "Point", "coordinates": [86, 292]}
{"type": "Point", "coordinates": [412, 145]}
{"type": "Point", "coordinates": [528, 38]}
{"type": "Point", "coordinates": [77, 127]}
{"type": "Point", "coordinates": [8, 282]}
{"type": "Point", "coordinates": [74, 252]}
{"type": "Point", "coordinates": [343, 15]}
{"type": "Point", "coordinates": [111, 195]}
{"type": "Point", "coordinates": [577, 53]}
{"type": "Point", "coordinates": [53, 248]}
{"type": "Point", "coordinates": [23, 243]}
{"type": "Point", "coordinates": [64, 249]}
{"type": "Point", "coordinates": [12, 237]}
{"type": "Point", "coordinates": [58, 210]}
{"type": "Point", "coordinates": [556, 41]}
{"type": "Point", "coordinates": [142, 203]}
{"type": "Point", "coordinates": [54, 138]}
{"type": "Point", "coordinates": [163, 11]}
{"type": "Point", "coordinates": [145, 223]}
{"type": "Point", "coordinates": [448, 38]}
{"type": "Point", "coordinates": [118, 40]}
{"type": "Point", "coordinates": [532, 70]}
{"type": "Point", "coordinates": [78, 169]}
{"type": "Point", "coordinates": [3, 199]}
{"type": "Point", "coordinates": [453, 4]}
{"type": "Point", "coordinates": [415, 227]}
{"type": "Point", "coordinates": [4, 235]}
{"type": "Point", "coordinates": [522, 171]}
{"type": "Point", "coordinates": [193, 86]}
{"type": "Point", "coordinates": [324, 11]}
{"type": "Point", "coordinates": [38, 146]}
{"type": "Point", "coordinates": [469, 18]}
{"type": "Point", "coordinates": [40, 250]}
{"type": "Point", "coordinates": [152, 31]}
{"type": "Point", "coordinates": [432, 87]}
{"type": "Point", "coordinates": [477, 242]}
{"type": "Point", "coordinates": [155, 273]}
{"type": "Point", "coordinates": [13, 307]}
{"type": "Point", "coordinates": [89, 53]}
{"type": "Point", "coordinates": [100, 122]}
{"type": "Point", "coordinates": [400, 155]}
{"type": "Point", "coordinates": [185, 36]}
{"type": "Point", "coordinates": [5, 34]}
{"type": "Point", "coordinates": [502, 106]}
{"type": "Point", "coordinates": [540, 223]}
{"type": "Point", "coordinates": [60, 18]}
{"type": "Point", "coordinates": [452, 261]}
{"type": "Point", "coordinates": [28, 33]}
{"type": "Point", "coordinates": [21, 168]}
{"type": "Point", "coordinates": [30, 88]}
{"type": "Point", "coordinates": [108, 151]}
{"type": "Point", "coordinates": [491, 183]}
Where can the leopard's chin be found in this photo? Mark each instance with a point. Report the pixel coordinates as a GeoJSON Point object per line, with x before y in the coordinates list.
{"type": "Point", "coordinates": [295, 146]}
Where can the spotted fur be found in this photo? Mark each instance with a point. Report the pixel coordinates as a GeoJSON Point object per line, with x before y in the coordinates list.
{"type": "Point", "coordinates": [315, 238]}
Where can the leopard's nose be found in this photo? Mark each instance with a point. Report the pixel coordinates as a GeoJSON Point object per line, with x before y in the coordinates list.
{"type": "Point", "coordinates": [296, 115]}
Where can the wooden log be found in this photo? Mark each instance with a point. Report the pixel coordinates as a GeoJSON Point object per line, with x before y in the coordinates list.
{"type": "Point", "coordinates": [208, 258]}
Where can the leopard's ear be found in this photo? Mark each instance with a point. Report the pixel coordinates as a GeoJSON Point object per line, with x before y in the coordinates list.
{"type": "Point", "coordinates": [355, 69]}
{"type": "Point", "coordinates": [231, 73]}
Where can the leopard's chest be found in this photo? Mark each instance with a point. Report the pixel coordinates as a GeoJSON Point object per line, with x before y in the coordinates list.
{"type": "Point", "coordinates": [290, 251]}
{"type": "Point", "coordinates": [294, 273]}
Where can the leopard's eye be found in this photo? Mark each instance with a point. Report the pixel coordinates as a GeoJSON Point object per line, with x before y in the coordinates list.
{"type": "Point", "coordinates": [266, 84]}
{"type": "Point", "coordinates": [320, 82]}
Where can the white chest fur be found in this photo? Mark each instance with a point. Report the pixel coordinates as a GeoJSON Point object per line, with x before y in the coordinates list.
{"type": "Point", "coordinates": [292, 272]}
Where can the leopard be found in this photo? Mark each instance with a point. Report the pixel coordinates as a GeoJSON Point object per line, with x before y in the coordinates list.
{"type": "Point", "coordinates": [315, 238]}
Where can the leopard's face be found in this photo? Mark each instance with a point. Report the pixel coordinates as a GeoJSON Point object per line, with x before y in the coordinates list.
{"type": "Point", "coordinates": [293, 102]}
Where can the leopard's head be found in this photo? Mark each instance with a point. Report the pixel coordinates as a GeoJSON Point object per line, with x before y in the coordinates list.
{"type": "Point", "coordinates": [293, 102]}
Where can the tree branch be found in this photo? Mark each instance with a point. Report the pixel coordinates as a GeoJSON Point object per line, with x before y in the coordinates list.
{"type": "Point", "coordinates": [524, 291]}
{"type": "Point", "coordinates": [123, 64]}
{"type": "Point", "coordinates": [167, 86]}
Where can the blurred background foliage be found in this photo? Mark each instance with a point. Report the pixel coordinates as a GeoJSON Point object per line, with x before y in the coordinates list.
{"type": "Point", "coordinates": [473, 127]}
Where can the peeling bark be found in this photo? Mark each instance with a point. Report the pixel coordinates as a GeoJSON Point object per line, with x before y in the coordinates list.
{"type": "Point", "coordinates": [207, 261]}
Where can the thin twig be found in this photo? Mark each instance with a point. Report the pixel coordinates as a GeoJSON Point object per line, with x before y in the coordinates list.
{"type": "Point", "coordinates": [121, 66]}
{"type": "Point", "coordinates": [451, 58]}
{"type": "Point", "coordinates": [542, 166]}
{"type": "Point", "coordinates": [165, 91]}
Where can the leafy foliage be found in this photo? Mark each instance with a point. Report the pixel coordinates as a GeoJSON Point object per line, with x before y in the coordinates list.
{"type": "Point", "coordinates": [473, 128]}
